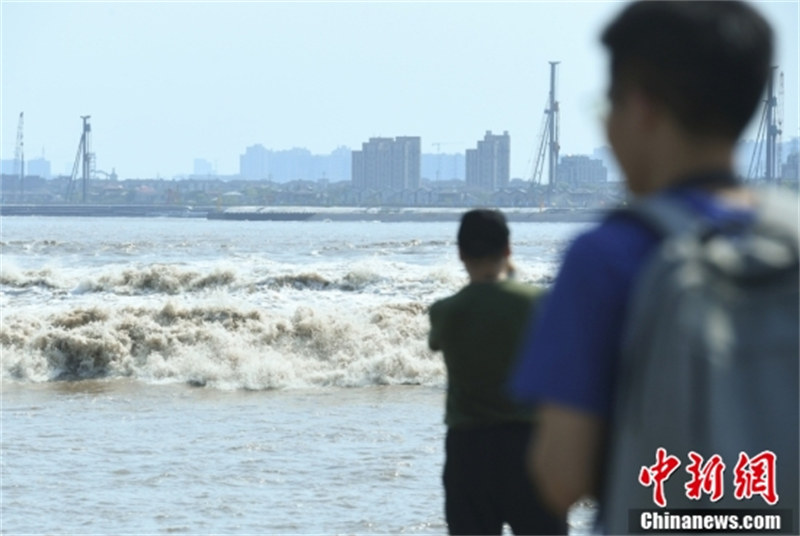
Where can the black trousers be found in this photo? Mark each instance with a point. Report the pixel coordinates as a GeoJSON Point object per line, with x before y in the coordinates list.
{"type": "Point", "coordinates": [486, 484]}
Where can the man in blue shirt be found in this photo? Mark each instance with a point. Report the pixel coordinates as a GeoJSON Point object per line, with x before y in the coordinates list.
{"type": "Point", "coordinates": [686, 78]}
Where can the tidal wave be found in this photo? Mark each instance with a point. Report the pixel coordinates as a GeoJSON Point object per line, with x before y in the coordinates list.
{"type": "Point", "coordinates": [175, 279]}
{"type": "Point", "coordinates": [224, 346]}
{"type": "Point", "coordinates": [11, 277]}
{"type": "Point", "coordinates": [158, 278]}
{"type": "Point", "coordinates": [234, 307]}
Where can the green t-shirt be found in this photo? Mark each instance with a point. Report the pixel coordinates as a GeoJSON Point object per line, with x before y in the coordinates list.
{"type": "Point", "coordinates": [479, 329]}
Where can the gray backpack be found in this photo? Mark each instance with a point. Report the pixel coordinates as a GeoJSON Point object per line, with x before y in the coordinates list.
{"type": "Point", "coordinates": [709, 365]}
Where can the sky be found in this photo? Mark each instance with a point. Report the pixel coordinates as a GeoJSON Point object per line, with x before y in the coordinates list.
{"type": "Point", "coordinates": [168, 82]}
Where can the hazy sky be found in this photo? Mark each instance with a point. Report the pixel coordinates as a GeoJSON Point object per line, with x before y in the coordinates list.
{"type": "Point", "coordinates": [168, 82]}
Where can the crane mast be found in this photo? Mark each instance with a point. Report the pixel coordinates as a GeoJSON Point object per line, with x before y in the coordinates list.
{"type": "Point", "coordinates": [548, 141]}
{"type": "Point", "coordinates": [769, 133]}
{"type": "Point", "coordinates": [83, 158]}
{"type": "Point", "coordinates": [552, 116]}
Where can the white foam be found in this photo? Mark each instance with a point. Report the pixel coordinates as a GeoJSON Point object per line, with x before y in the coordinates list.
{"type": "Point", "coordinates": [225, 346]}
{"type": "Point", "coordinates": [242, 307]}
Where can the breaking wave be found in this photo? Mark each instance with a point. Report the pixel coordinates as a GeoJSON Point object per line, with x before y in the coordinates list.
{"type": "Point", "coordinates": [166, 309]}
{"type": "Point", "coordinates": [158, 278]}
{"type": "Point", "coordinates": [174, 279]}
{"type": "Point", "coordinates": [43, 278]}
{"type": "Point", "coordinates": [224, 346]}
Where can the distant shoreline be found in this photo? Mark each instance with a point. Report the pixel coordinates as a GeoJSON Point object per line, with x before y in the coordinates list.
{"type": "Point", "coordinates": [232, 214]}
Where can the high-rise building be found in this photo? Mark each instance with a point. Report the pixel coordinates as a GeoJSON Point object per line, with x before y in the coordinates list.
{"type": "Point", "coordinates": [38, 167]}
{"type": "Point", "coordinates": [387, 164]}
{"type": "Point", "coordinates": [254, 163]}
{"type": "Point", "coordinates": [34, 167]}
{"type": "Point", "coordinates": [488, 166]}
{"type": "Point", "coordinates": [203, 167]}
{"type": "Point", "coordinates": [576, 170]}
{"type": "Point", "coordinates": [358, 175]}
{"type": "Point", "coordinates": [443, 166]}
{"type": "Point", "coordinates": [406, 163]}
{"type": "Point", "coordinates": [259, 163]}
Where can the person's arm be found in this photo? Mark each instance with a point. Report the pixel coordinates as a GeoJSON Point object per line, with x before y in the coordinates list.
{"type": "Point", "coordinates": [568, 364]}
{"type": "Point", "coordinates": [433, 343]}
{"type": "Point", "coordinates": [563, 460]}
{"type": "Point", "coordinates": [433, 335]}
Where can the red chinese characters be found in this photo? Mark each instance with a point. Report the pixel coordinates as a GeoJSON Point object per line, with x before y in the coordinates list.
{"type": "Point", "coordinates": [705, 478]}
{"type": "Point", "coordinates": [752, 476]}
{"type": "Point", "coordinates": [756, 476]}
{"type": "Point", "coordinates": [655, 475]}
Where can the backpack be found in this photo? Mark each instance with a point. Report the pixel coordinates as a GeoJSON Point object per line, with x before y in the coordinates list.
{"type": "Point", "coordinates": [709, 365]}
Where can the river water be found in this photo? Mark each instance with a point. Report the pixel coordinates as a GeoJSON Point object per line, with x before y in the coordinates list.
{"type": "Point", "coordinates": [188, 376]}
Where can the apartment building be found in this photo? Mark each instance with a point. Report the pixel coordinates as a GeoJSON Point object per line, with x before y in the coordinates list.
{"type": "Point", "coordinates": [488, 164]}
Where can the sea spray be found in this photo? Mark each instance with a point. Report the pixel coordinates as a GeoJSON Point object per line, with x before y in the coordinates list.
{"type": "Point", "coordinates": [157, 278]}
{"type": "Point", "coordinates": [13, 277]}
{"type": "Point", "coordinates": [225, 346]}
{"type": "Point", "coordinates": [267, 327]}
{"type": "Point", "coordinates": [234, 306]}
{"type": "Point", "coordinates": [173, 279]}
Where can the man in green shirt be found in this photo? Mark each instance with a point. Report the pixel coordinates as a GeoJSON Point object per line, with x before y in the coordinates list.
{"type": "Point", "coordinates": [478, 329]}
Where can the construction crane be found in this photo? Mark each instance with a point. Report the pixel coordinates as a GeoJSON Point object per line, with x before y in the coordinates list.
{"type": "Point", "coordinates": [109, 176]}
{"type": "Point", "coordinates": [83, 156]}
{"type": "Point", "coordinates": [548, 139]}
{"type": "Point", "coordinates": [438, 145]}
{"type": "Point", "coordinates": [538, 167]}
{"type": "Point", "coordinates": [769, 132]}
{"type": "Point", "coordinates": [19, 157]}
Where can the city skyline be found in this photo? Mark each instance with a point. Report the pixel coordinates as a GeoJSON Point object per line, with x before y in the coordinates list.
{"type": "Point", "coordinates": [168, 82]}
{"type": "Point", "coordinates": [435, 166]}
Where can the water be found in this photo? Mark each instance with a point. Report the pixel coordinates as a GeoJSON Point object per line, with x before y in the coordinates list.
{"type": "Point", "coordinates": [192, 376]}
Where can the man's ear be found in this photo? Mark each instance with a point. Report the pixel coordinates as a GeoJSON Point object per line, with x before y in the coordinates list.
{"type": "Point", "coordinates": [645, 111]}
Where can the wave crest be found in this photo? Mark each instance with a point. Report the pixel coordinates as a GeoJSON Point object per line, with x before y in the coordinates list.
{"type": "Point", "coordinates": [159, 278]}
{"type": "Point", "coordinates": [225, 346]}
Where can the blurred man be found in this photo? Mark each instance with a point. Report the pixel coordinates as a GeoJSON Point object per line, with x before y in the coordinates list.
{"type": "Point", "coordinates": [685, 80]}
{"type": "Point", "coordinates": [478, 330]}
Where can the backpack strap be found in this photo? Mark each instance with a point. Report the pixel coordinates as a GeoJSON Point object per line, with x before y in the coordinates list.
{"type": "Point", "coordinates": [771, 236]}
{"type": "Point", "coordinates": [778, 215]}
{"type": "Point", "coordinates": [665, 216]}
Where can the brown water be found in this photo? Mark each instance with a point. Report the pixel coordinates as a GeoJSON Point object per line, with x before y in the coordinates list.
{"type": "Point", "coordinates": [178, 376]}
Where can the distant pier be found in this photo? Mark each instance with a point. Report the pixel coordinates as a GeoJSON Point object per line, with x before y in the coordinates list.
{"type": "Point", "coordinates": [122, 211]}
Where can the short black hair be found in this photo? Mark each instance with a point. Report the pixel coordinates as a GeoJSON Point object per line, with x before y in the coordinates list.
{"type": "Point", "coordinates": [483, 233]}
{"type": "Point", "coordinates": [707, 62]}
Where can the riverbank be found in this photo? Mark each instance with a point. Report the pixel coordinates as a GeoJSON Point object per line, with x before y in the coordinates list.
{"type": "Point", "coordinates": [384, 214]}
